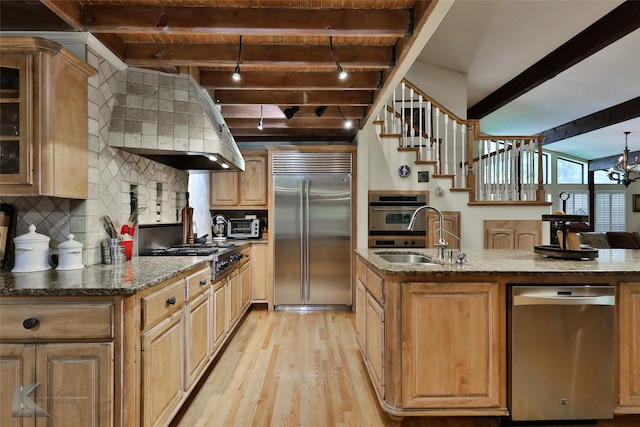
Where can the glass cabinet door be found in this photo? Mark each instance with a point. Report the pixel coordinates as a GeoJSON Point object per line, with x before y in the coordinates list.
{"type": "Point", "coordinates": [15, 119]}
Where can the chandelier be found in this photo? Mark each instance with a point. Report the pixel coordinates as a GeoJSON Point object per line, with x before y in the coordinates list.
{"type": "Point", "coordinates": [621, 172]}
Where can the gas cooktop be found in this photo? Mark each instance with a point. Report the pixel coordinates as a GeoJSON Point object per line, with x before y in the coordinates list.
{"type": "Point", "coordinates": [196, 249]}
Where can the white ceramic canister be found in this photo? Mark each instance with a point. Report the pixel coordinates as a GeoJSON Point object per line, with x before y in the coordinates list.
{"type": "Point", "coordinates": [32, 252]}
{"type": "Point", "coordinates": [70, 254]}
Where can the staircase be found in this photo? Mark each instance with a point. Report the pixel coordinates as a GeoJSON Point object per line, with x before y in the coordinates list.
{"type": "Point", "coordinates": [491, 169]}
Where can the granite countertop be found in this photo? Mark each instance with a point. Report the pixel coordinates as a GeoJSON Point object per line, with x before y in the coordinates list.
{"type": "Point", "coordinates": [102, 279]}
{"type": "Point", "coordinates": [512, 262]}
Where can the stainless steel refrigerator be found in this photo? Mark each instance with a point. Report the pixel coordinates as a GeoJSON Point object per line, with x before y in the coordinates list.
{"type": "Point", "coordinates": [312, 252]}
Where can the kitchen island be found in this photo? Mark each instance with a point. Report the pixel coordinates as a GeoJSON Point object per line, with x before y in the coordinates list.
{"type": "Point", "coordinates": [434, 337]}
{"type": "Point", "coordinates": [116, 345]}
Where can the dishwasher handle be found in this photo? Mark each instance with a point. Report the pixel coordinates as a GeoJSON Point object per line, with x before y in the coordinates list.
{"type": "Point", "coordinates": [563, 300]}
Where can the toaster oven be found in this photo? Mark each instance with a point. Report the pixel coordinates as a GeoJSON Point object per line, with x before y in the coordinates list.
{"type": "Point", "coordinates": [244, 228]}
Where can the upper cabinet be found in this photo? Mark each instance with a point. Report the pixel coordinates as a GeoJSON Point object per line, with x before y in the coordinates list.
{"type": "Point", "coordinates": [43, 119]}
{"type": "Point", "coordinates": [246, 189]}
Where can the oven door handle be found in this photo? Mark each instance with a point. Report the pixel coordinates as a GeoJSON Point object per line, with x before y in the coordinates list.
{"type": "Point", "coordinates": [392, 209]}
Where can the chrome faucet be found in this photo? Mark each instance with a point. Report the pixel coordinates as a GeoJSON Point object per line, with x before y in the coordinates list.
{"type": "Point", "coordinates": [442, 244]}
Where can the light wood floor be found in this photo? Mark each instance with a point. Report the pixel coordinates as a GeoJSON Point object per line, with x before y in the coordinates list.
{"type": "Point", "coordinates": [291, 369]}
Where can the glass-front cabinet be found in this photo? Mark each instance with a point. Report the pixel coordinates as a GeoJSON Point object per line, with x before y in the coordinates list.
{"type": "Point", "coordinates": [44, 127]}
{"type": "Point", "coordinates": [15, 120]}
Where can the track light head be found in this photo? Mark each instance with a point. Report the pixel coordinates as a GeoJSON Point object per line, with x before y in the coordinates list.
{"type": "Point", "coordinates": [289, 112]}
{"type": "Point", "coordinates": [236, 72]}
{"type": "Point", "coordinates": [320, 110]}
{"type": "Point", "coordinates": [260, 125]}
{"type": "Point", "coordinates": [342, 74]}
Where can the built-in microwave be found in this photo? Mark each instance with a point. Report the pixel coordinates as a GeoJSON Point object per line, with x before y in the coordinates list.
{"type": "Point", "coordinates": [244, 228]}
{"type": "Point", "coordinates": [391, 213]}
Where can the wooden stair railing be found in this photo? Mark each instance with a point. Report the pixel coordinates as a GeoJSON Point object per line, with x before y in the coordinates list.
{"type": "Point", "coordinates": [505, 169]}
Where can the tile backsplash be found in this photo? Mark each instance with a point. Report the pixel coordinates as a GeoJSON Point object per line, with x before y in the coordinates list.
{"type": "Point", "coordinates": [113, 174]}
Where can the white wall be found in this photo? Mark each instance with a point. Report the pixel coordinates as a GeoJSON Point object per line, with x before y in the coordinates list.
{"type": "Point", "coordinates": [379, 160]}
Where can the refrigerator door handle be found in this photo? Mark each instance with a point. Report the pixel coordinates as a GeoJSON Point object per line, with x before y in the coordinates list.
{"type": "Point", "coordinates": [306, 284]}
{"type": "Point", "coordinates": [302, 240]}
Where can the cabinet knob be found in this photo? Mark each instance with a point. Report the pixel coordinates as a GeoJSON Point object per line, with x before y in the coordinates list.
{"type": "Point", "coordinates": [203, 282]}
{"type": "Point", "coordinates": [30, 323]}
{"type": "Point", "coordinates": [171, 300]}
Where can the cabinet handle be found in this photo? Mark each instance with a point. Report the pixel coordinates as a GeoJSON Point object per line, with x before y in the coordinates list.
{"type": "Point", "coordinates": [171, 300]}
{"type": "Point", "coordinates": [203, 282]}
{"type": "Point", "coordinates": [30, 323]}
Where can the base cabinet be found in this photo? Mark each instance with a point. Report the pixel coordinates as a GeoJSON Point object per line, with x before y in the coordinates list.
{"type": "Point", "coordinates": [74, 384]}
{"type": "Point", "coordinates": [628, 400]}
{"type": "Point", "coordinates": [259, 272]}
{"type": "Point", "coordinates": [451, 348]}
{"type": "Point", "coordinates": [197, 337]}
{"type": "Point", "coordinates": [162, 374]}
{"type": "Point", "coordinates": [219, 316]}
{"type": "Point", "coordinates": [370, 323]}
{"type": "Point", "coordinates": [512, 234]}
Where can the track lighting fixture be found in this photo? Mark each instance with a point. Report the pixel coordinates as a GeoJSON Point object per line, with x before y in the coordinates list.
{"type": "Point", "coordinates": [347, 123]}
{"type": "Point", "coordinates": [289, 112]}
{"type": "Point", "coordinates": [236, 72]}
{"type": "Point", "coordinates": [260, 124]}
{"type": "Point", "coordinates": [320, 110]}
{"type": "Point", "coordinates": [342, 74]}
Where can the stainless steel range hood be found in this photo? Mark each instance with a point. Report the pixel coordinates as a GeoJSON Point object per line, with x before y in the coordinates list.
{"type": "Point", "coordinates": [170, 119]}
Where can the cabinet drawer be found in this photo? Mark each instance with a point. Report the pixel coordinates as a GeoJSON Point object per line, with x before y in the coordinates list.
{"type": "Point", "coordinates": [56, 321]}
{"type": "Point", "coordinates": [161, 303]}
{"type": "Point", "coordinates": [198, 283]}
{"type": "Point", "coordinates": [374, 284]}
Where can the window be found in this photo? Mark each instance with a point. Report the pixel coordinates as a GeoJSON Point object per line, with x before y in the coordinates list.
{"type": "Point", "coordinates": [610, 211]}
{"type": "Point", "coordinates": [577, 204]}
{"type": "Point", "coordinates": [546, 162]}
{"type": "Point", "coordinates": [602, 177]}
{"type": "Point", "coordinates": [570, 171]}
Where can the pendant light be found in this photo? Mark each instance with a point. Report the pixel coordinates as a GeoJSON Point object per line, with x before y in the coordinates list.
{"type": "Point", "coordinates": [621, 171]}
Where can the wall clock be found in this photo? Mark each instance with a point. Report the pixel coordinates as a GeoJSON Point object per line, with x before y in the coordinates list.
{"type": "Point", "coordinates": [404, 171]}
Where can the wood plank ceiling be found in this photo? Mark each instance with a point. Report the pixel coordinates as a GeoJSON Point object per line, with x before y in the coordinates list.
{"type": "Point", "coordinates": [289, 76]}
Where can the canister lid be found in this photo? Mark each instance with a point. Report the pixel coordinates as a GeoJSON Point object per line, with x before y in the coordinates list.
{"type": "Point", "coordinates": [32, 236]}
{"type": "Point", "coordinates": [70, 243]}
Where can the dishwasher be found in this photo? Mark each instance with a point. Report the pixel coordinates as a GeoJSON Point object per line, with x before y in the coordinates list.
{"type": "Point", "coordinates": [561, 352]}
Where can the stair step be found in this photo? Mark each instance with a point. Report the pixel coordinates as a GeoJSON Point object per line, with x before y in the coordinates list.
{"type": "Point", "coordinates": [391, 135]}
{"type": "Point", "coordinates": [508, 203]}
{"type": "Point", "coordinates": [426, 162]}
{"type": "Point", "coordinates": [408, 149]}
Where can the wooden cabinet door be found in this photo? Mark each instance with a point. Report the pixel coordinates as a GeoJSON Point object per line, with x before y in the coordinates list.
{"type": "Point", "coordinates": [361, 315]}
{"type": "Point", "coordinates": [15, 122]}
{"type": "Point", "coordinates": [451, 345]}
{"type": "Point", "coordinates": [259, 272]}
{"type": "Point", "coordinates": [224, 189]}
{"type": "Point", "coordinates": [219, 314]}
{"type": "Point", "coordinates": [375, 342]}
{"type": "Point", "coordinates": [245, 285]}
{"type": "Point", "coordinates": [233, 297]}
{"type": "Point", "coordinates": [451, 224]}
{"type": "Point", "coordinates": [78, 381]}
{"type": "Point", "coordinates": [17, 368]}
{"type": "Point", "coordinates": [198, 335]}
{"type": "Point", "coordinates": [162, 370]}
{"type": "Point", "coordinates": [512, 234]}
{"type": "Point", "coordinates": [628, 399]}
{"type": "Point", "coordinates": [253, 182]}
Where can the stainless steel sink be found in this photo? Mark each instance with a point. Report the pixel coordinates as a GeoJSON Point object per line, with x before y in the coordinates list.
{"type": "Point", "coordinates": [398, 258]}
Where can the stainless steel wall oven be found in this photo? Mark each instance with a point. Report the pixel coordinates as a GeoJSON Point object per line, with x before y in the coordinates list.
{"type": "Point", "coordinates": [389, 216]}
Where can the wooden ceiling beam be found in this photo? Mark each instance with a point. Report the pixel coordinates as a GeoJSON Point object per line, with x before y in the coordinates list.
{"type": "Point", "coordinates": [293, 123]}
{"type": "Point", "coordinates": [616, 24]}
{"type": "Point", "coordinates": [293, 97]}
{"type": "Point", "coordinates": [247, 21]}
{"type": "Point", "coordinates": [258, 56]}
{"type": "Point", "coordinates": [257, 80]}
{"type": "Point", "coordinates": [609, 116]}
{"type": "Point", "coordinates": [276, 112]}
{"type": "Point", "coordinates": [69, 11]}
{"type": "Point", "coordinates": [249, 134]}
